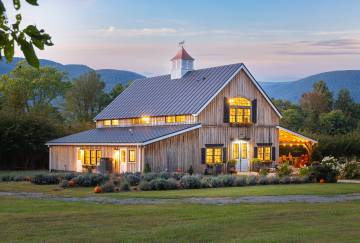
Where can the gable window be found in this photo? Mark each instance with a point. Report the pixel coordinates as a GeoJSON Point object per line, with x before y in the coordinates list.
{"type": "Point", "coordinates": [170, 119]}
{"type": "Point", "coordinates": [240, 111]}
{"type": "Point", "coordinates": [91, 157]}
{"type": "Point", "coordinates": [213, 155]}
{"type": "Point", "coordinates": [132, 156]}
{"type": "Point", "coordinates": [264, 153]}
{"type": "Point", "coordinates": [107, 123]}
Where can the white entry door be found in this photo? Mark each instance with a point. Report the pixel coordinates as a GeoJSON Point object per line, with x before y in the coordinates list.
{"type": "Point", "coordinates": [241, 154]}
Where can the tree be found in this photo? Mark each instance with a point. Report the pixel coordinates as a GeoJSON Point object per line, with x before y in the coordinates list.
{"type": "Point", "coordinates": [283, 105]}
{"type": "Point", "coordinates": [116, 90]}
{"type": "Point", "coordinates": [335, 122]}
{"type": "Point", "coordinates": [319, 101]}
{"type": "Point", "coordinates": [344, 102]}
{"type": "Point", "coordinates": [292, 119]}
{"type": "Point", "coordinates": [86, 97]}
{"type": "Point", "coordinates": [26, 38]}
{"type": "Point", "coordinates": [27, 88]}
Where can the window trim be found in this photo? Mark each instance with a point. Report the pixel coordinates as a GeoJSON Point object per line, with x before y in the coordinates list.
{"type": "Point", "coordinates": [129, 155]}
{"type": "Point", "coordinates": [213, 155]}
{"type": "Point", "coordinates": [243, 108]}
{"type": "Point", "coordinates": [261, 155]}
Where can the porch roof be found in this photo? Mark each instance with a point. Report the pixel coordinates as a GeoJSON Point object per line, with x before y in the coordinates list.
{"type": "Point", "coordinates": [136, 135]}
{"type": "Point", "coordinates": [290, 137]}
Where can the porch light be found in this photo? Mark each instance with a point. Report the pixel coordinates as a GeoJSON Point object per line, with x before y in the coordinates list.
{"type": "Point", "coordinates": [145, 119]}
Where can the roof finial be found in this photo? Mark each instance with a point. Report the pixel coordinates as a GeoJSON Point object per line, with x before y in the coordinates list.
{"type": "Point", "coordinates": [181, 43]}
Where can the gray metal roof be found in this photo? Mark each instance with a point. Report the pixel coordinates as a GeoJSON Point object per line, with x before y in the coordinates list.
{"type": "Point", "coordinates": [124, 135]}
{"type": "Point", "coordinates": [158, 96]}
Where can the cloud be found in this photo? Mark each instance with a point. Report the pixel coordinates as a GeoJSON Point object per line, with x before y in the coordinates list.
{"type": "Point", "coordinates": [135, 31]}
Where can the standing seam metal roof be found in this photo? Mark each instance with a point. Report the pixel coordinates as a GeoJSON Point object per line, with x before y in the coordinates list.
{"type": "Point", "coordinates": [123, 135]}
{"type": "Point", "coordinates": [161, 95]}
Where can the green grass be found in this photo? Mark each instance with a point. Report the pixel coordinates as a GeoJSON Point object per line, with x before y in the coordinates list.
{"type": "Point", "coordinates": [305, 189]}
{"type": "Point", "coordinates": [26, 220]}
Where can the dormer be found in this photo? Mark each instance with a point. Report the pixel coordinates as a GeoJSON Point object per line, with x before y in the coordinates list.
{"type": "Point", "coordinates": [181, 63]}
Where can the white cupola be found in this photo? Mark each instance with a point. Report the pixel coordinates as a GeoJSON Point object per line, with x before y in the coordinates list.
{"type": "Point", "coordinates": [181, 63]}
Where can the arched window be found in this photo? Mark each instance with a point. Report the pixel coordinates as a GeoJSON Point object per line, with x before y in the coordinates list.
{"type": "Point", "coordinates": [240, 110]}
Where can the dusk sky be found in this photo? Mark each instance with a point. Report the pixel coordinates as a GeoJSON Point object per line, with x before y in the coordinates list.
{"type": "Point", "coordinates": [277, 40]}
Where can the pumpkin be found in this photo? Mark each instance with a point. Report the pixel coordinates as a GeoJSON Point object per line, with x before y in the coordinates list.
{"type": "Point", "coordinates": [97, 189]}
{"type": "Point", "coordinates": [72, 183]}
{"type": "Point", "coordinates": [322, 181]}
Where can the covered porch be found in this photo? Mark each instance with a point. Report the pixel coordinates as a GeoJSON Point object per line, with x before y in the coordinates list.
{"type": "Point", "coordinates": [295, 148]}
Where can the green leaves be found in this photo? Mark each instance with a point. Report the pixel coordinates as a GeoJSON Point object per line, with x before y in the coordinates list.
{"type": "Point", "coordinates": [27, 38]}
{"type": "Point", "coordinates": [29, 52]}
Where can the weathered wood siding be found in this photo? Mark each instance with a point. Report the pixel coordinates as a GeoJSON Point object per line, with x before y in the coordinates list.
{"type": "Point", "coordinates": [64, 157]}
{"type": "Point", "coordinates": [178, 152]}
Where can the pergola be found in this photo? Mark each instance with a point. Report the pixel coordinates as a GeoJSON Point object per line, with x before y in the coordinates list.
{"type": "Point", "coordinates": [290, 138]}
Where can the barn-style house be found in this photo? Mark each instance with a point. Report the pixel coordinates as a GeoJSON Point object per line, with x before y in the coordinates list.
{"type": "Point", "coordinates": [189, 117]}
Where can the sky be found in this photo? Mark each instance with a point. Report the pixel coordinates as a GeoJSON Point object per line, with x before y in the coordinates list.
{"type": "Point", "coordinates": [278, 40]}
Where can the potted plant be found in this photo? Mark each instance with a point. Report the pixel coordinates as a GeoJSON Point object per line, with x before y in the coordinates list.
{"type": "Point", "coordinates": [231, 166]}
{"type": "Point", "coordinates": [256, 164]}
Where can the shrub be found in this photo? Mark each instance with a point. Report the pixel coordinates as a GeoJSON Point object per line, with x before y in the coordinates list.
{"type": "Point", "coordinates": [240, 180]}
{"type": "Point", "coordinates": [108, 187]}
{"type": "Point", "coordinates": [164, 175]}
{"type": "Point", "coordinates": [227, 180]}
{"type": "Point", "coordinates": [285, 180]}
{"type": "Point", "coordinates": [19, 178]}
{"type": "Point", "coordinates": [350, 170]}
{"type": "Point", "coordinates": [64, 183]}
{"type": "Point", "coordinates": [211, 182]}
{"type": "Point", "coordinates": [158, 184]}
{"type": "Point", "coordinates": [190, 170]}
{"type": "Point", "coordinates": [7, 178]}
{"type": "Point", "coordinates": [295, 180]}
{"type": "Point", "coordinates": [147, 168]}
{"type": "Point", "coordinates": [90, 179]}
{"type": "Point", "coordinates": [45, 179]}
{"type": "Point", "coordinates": [133, 179]}
{"type": "Point", "coordinates": [171, 184]}
{"type": "Point", "coordinates": [177, 175]}
{"type": "Point", "coordinates": [125, 186]}
{"type": "Point", "coordinates": [263, 180]}
{"type": "Point", "coordinates": [69, 176]}
{"type": "Point", "coordinates": [190, 182]}
{"type": "Point", "coordinates": [150, 176]}
{"type": "Point", "coordinates": [251, 180]}
{"type": "Point", "coordinates": [304, 179]}
{"type": "Point", "coordinates": [273, 180]}
{"type": "Point", "coordinates": [304, 171]}
{"type": "Point", "coordinates": [322, 171]}
{"type": "Point", "coordinates": [145, 186]}
{"type": "Point", "coordinates": [263, 172]}
{"type": "Point", "coordinates": [283, 170]}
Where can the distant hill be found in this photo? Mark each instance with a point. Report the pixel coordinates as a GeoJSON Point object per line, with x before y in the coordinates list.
{"type": "Point", "coordinates": [335, 80]}
{"type": "Point", "coordinates": [109, 76]}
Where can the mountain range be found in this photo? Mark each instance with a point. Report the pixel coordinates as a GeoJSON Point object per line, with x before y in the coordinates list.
{"type": "Point", "coordinates": [292, 90]}
{"type": "Point", "coordinates": [109, 76]}
{"type": "Point", "coordinates": [335, 80]}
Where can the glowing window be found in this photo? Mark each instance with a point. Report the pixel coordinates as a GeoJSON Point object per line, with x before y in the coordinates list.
{"type": "Point", "coordinates": [264, 153]}
{"type": "Point", "coordinates": [170, 119]}
{"type": "Point", "coordinates": [240, 110]}
{"type": "Point", "coordinates": [91, 157]}
{"type": "Point", "coordinates": [243, 151]}
{"type": "Point", "coordinates": [180, 118]}
{"type": "Point", "coordinates": [214, 155]}
{"type": "Point", "coordinates": [123, 156]}
{"type": "Point", "coordinates": [115, 122]}
{"type": "Point", "coordinates": [132, 156]}
{"type": "Point", "coordinates": [235, 151]}
{"type": "Point", "coordinates": [107, 123]}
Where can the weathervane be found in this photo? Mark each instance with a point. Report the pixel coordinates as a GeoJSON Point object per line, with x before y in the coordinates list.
{"type": "Point", "coordinates": [181, 43]}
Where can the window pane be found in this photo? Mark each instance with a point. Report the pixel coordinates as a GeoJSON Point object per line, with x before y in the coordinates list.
{"type": "Point", "coordinates": [267, 153]}
{"type": "Point", "coordinates": [261, 153]}
{"type": "Point", "coordinates": [87, 156]}
{"type": "Point", "coordinates": [93, 157]}
{"type": "Point", "coordinates": [244, 151]}
{"type": "Point", "coordinates": [98, 156]}
{"type": "Point", "coordinates": [180, 119]}
{"type": "Point", "coordinates": [115, 122]}
{"type": "Point", "coordinates": [160, 119]}
{"type": "Point", "coordinates": [235, 151]}
{"type": "Point", "coordinates": [131, 155]}
{"type": "Point", "coordinates": [209, 159]}
{"type": "Point", "coordinates": [107, 122]}
{"type": "Point", "coordinates": [170, 119]}
{"type": "Point", "coordinates": [123, 156]}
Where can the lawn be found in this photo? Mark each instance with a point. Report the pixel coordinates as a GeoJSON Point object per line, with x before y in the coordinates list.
{"type": "Point", "coordinates": [28, 220]}
{"type": "Point", "coordinates": [303, 189]}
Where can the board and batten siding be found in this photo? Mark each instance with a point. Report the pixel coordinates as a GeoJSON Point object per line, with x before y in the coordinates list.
{"type": "Point", "coordinates": [178, 152]}
{"type": "Point", "coordinates": [215, 131]}
{"type": "Point", "coordinates": [64, 157]}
